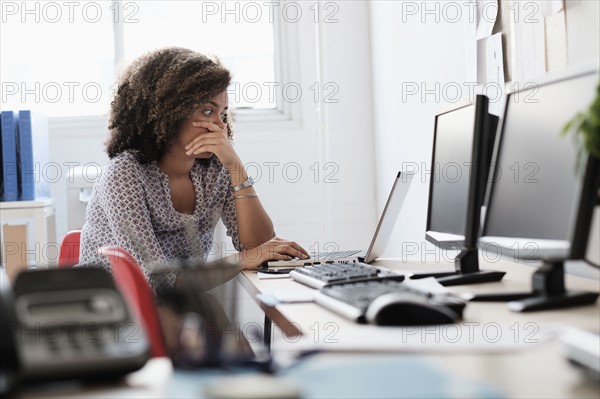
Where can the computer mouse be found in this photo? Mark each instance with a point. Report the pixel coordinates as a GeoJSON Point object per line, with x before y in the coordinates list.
{"type": "Point", "coordinates": [399, 309]}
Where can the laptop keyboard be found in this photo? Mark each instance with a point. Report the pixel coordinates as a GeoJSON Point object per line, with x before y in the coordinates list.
{"type": "Point", "coordinates": [333, 256]}
{"type": "Point", "coordinates": [360, 295]}
{"type": "Point", "coordinates": [318, 276]}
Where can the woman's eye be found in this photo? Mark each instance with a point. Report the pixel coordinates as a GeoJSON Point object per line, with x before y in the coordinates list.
{"type": "Point", "coordinates": [224, 117]}
{"type": "Point", "coordinates": [207, 112]}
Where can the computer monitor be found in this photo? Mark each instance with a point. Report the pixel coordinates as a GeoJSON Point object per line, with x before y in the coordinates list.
{"type": "Point", "coordinates": [536, 189]}
{"type": "Point", "coordinates": [450, 174]}
{"type": "Point", "coordinates": [540, 203]}
{"type": "Point", "coordinates": [463, 140]}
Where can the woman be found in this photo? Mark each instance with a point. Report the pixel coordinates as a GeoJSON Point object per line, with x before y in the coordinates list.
{"type": "Point", "coordinates": [173, 171]}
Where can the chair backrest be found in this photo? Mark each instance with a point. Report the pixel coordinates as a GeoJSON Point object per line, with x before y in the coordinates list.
{"type": "Point", "coordinates": [68, 254]}
{"type": "Point", "coordinates": [133, 285]}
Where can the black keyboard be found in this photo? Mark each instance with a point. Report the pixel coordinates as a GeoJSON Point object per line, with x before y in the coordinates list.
{"type": "Point", "coordinates": [318, 276]}
{"type": "Point", "coordinates": [355, 300]}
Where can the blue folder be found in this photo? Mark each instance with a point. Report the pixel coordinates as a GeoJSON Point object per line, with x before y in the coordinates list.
{"type": "Point", "coordinates": [32, 156]}
{"type": "Point", "coordinates": [10, 185]}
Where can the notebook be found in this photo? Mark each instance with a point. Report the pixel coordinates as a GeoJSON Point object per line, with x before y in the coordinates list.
{"type": "Point", "coordinates": [379, 241]}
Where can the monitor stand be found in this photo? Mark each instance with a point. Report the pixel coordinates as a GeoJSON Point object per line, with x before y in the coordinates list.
{"type": "Point", "coordinates": [467, 271]}
{"type": "Point", "coordinates": [548, 283]}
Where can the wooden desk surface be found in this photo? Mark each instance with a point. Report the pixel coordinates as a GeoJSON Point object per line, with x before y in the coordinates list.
{"type": "Point", "coordinates": [517, 278]}
{"type": "Point", "coordinates": [536, 370]}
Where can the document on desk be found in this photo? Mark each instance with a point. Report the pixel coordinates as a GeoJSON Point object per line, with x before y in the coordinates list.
{"type": "Point", "coordinates": [271, 276]}
{"type": "Point", "coordinates": [429, 284]}
{"type": "Point", "coordinates": [465, 337]}
{"type": "Point", "coordinates": [278, 298]}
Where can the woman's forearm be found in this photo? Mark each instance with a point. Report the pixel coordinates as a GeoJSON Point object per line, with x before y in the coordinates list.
{"type": "Point", "coordinates": [254, 224]}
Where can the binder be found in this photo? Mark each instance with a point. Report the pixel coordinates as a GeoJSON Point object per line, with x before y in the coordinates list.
{"type": "Point", "coordinates": [10, 185]}
{"type": "Point", "coordinates": [32, 156]}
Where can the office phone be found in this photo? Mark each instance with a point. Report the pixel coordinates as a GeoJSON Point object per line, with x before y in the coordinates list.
{"type": "Point", "coordinates": [66, 324]}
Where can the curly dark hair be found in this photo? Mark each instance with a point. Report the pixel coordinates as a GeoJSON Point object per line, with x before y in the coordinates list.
{"type": "Point", "coordinates": [156, 94]}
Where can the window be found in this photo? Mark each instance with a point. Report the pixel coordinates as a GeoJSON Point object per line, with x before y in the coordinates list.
{"type": "Point", "coordinates": [61, 58]}
{"type": "Point", "coordinates": [240, 33]}
{"type": "Point", "coordinates": [56, 60]}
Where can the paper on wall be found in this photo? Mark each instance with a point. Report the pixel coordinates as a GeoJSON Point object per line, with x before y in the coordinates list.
{"type": "Point", "coordinates": [487, 12]}
{"type": "Point", "coordinates": [550, 7]}
{"type": "Point", "coordinates": [494, 63]}
{"type": "Point", "coordinates": [471, 51]}
{"type": "Point", "coordinates": [528, 42]}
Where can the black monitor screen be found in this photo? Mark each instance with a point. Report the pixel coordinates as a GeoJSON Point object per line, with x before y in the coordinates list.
{"type": "Point", "coordinates": [536, 188]}
{"type": "Point", "coordinates": [453, 145]}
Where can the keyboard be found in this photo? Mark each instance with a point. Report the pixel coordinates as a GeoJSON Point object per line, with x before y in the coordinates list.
{"type": "Point", "coordinates": [317, 259]}
{"type": "Point", "coordinates": [333, 256]}
{"type": "Point", "coordinates": [354, 300]}
{"type": "Point", "coordinates": [318, 276]}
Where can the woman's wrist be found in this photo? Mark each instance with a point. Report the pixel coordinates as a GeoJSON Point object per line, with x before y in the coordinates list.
{"type": "Point", "coordinates": [250, 259]}
{"type": "Point", "coordinates": [237, 172]}
{"type": "Point", "coordinates": [239, 259]}
{"type": "Point", "coordinates": [249, 182]}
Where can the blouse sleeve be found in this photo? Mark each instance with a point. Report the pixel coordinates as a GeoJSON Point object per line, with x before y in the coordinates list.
{"type": "Point", "coordinates": [125, 204]}
{"type": "Point", "coordinates": [229, 217]}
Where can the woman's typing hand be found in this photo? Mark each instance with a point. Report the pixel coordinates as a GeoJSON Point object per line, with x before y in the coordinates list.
{"type": "Point", "coordinates": [274, 249]}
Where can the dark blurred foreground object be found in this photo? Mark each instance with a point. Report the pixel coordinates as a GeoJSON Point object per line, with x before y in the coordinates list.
{"type": "Point", "coordinates": [67, 324]}
{"type": "Point", "coordinates": [198, 317]}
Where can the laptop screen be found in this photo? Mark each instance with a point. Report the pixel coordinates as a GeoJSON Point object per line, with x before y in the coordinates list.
{"type": "Point", "coordinates": [389, 216]}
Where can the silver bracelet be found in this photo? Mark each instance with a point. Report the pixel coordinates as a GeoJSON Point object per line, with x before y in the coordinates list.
{"type": "Point", "coordinates": [251, 195]}
{"type": "Point", "coordinates": [246, 183]}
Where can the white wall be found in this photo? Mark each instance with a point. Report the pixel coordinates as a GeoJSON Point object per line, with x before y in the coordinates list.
{"type": "Point", "coordinates": [583, 31]}
{"type": "Point", "coordinates": [409, 50]}
{"type": "Point", "coordinates": [370, 134]}
{"type": "Point", "coordinates": [426, 49]}
{"type": "Point", "coordinates": [333, 198]}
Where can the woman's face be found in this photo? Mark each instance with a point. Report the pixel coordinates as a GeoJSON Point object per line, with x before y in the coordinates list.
{"type": "Point", "coordinates": [215, 111]}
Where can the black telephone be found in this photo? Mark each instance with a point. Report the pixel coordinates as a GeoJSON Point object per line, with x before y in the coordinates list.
{"type": "Point", "coordinates": [66, 324]}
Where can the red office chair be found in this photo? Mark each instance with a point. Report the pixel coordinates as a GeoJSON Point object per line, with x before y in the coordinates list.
{"type": "Point", "coordinates": [68, 254]}
{"type": "Point", "coordinates": [133, 284]}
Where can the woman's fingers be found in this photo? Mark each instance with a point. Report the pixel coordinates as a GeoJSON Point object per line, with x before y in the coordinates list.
{"type": "Point", "coordinates": [299, 249]}
{"type": "Point", "coordinates": [291, 248]}
{"type": "Point", "coordinates": [277, 256]}
{"type": "Point", "coordinates": [274, 249]}
{"type": "Point", "coordinates": [204, 137]}
{"type": "Point", "coordinates": [207, 125]}
{"type": "Point", "coordinates": [200, 144]}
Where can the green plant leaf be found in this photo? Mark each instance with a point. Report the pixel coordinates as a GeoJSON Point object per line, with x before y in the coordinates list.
{"type": "Point", "coordinates": [585, 129]}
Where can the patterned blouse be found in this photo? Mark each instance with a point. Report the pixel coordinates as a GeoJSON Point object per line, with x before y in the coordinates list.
{"type": "Point", "coordinates": [131, 208]}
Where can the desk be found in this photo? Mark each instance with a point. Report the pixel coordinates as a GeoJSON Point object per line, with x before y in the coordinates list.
{"type": "Point", "coordinates": [524, 372]}
{"type": "Point", "coordinates": [535, 371]}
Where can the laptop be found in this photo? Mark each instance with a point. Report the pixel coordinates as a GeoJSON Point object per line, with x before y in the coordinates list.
{"type": "Point", "coordinates": [380, 239]}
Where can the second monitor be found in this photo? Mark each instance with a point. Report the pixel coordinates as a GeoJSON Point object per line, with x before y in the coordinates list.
{"type": "Point", "coordinates": [463, 145]}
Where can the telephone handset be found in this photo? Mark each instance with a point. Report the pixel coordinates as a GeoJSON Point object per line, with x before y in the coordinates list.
{"type": "Point", "coordinates": [67, 324]}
